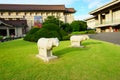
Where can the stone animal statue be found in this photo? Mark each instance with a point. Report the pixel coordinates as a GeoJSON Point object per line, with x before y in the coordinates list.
{"type": "Point", "coordinates": [45, 46]}
{"type": "Point", "coordinates": [77, 39]}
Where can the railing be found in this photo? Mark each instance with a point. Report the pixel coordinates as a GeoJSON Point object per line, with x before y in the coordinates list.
{"type": "Point", "coordinates": [107, 22]}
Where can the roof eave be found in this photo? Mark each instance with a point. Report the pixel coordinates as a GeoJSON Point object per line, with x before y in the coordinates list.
{"type": "Point", "coordinates": [104, 7]}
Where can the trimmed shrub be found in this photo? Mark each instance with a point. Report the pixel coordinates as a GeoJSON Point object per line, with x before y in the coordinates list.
{"type": "Point", "coordinates": [44, 33]}
{"type": "Point", "coordinates": [63, 33]}
{"type": "Point", "coordinates": [67, 37]}
{"type": "Point", "coordinates": [51, 27]}
{"type": "Point", "coordinates": [30, 33]}
{"type": "Point", "coordinates": [49, 30]}
{"type": "Point", "coordinates": [77, 33]}
{"type": "Point", "coordinates": [91, 31]}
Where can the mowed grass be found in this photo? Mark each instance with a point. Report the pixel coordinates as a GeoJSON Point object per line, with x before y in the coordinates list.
{"type": "Point", "coordinates": [97, 61]}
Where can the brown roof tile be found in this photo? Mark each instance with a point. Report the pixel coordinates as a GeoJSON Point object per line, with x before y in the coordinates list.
{"type": "Point", "coordinates": [31, 7]}
{"type": "Point", "coordinates": [71, 10]}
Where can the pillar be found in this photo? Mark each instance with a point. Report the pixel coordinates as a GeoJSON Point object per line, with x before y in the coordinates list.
{"type": "Point", "coordinates": [99, 19]}
{"type": "Point", "coordinates": [8, 33]}
{"type": "Point", "coordinates": [111, 16]}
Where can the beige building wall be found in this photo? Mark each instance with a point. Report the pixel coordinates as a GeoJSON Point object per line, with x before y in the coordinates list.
{"type": "Point", "coordinates": [91, 23]}
{"type": "Point", "coordinates": [69, 17]}
{"type": "Point", "coordinates": [107, 17]}
{"type": "Point", "coordinates": [29, 16]}
{"type": "Point", "coordinates": [111, 17]}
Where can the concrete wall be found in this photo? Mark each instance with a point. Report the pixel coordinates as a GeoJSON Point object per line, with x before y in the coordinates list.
{"type": "Point", "coordinates": [91, 23]}
{"type": "Point", "coordinates": [29, 16]}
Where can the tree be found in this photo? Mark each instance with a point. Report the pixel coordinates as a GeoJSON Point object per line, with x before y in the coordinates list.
{"type": "Point", "coordinates": [52, 19]}
{"type": "Point", "coordinates": [79, 26]}
{"type": "Point", "coordinates": [66, 27]}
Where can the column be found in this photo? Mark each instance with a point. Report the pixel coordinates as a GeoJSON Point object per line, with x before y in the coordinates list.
{"type": "Point", "coordinates": [16, 32]}
{"type": "Point", "coordinates": [8, 33]}
{"type": "Point", "coordinates": [111, 16]}
{"type": "Point", "coordinates": [99, 19]}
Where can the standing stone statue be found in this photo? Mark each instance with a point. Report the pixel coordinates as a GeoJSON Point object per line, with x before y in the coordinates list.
{"type": "Point", "coordinates": [77, 39]}
{"type": "Point", "coordinates": [45, 46]}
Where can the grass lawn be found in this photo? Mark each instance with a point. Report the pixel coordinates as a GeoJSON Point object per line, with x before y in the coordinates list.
{"type": "Point", "coordinates": [97, 61]}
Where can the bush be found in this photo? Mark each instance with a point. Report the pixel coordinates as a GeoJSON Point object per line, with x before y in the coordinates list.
{"type": "Point", "coordinates": [77, 33]}
{"type": "Point", "coordinates": [91, 31]}
{"type": "Point", "coordinates": [49, 30]}
{"type": "Point", "coordinates": [1, 38]}
{"type": "Point", "coordinates": [30, 33]}
{"type": "Point", "coordinates": [51, 27]}
{"type": "Point", "coordinates": [44, 33]}
{"type": "Point", "coordinates": [66, 37]}
{"type": "Point", "coordinates": [66, 27]}
{"type": "Point", "coordinates": [79, 26]}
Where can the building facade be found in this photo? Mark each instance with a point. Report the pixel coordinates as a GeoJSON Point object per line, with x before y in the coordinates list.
{"type": "Point", "coordinates": [106, 18]}
{"type": "Point", "coordinates": [20, 13]}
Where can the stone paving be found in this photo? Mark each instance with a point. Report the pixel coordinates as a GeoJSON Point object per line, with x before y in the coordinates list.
{"type": "Point", "coordinates": [113, 37]}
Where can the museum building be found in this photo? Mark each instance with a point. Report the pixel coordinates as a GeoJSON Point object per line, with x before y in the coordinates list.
{"type": "Point", "coordinates": [17, 19]}
{"type": "Point", "coordinates": [105, 18]}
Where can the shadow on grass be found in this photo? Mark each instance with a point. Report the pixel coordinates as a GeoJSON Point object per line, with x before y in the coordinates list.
{"type": "Point", "coordinates": [91, 43]}
{"type": "Point", "coordinates": [66, 50]}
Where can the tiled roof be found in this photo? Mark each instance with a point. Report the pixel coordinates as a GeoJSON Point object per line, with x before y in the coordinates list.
{"type": "Point", "coordinates": [23, 7]}
{"type": "Point", "coordinates": [33, 7]}
{"type": "Point", "coordinates": [72, 10]}
{"type": "Point", "coordinates": [15, 23]}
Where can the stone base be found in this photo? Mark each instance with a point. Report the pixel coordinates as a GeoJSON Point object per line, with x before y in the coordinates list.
{"type": "Point", "coordinates": [46, 59]}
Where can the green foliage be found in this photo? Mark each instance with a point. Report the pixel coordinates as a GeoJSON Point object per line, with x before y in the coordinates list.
{"type": "Point", "coordinates": [18, 61]}
{"type": "Point", "coordinates": [54, 20]}
{"type": "Point", "coordinates": [66, 27]}
{"type": "Point", "coordinates": [30, 33]}
{"type": "Point", "coordinates": [63, 33]}
{"type": "Point", "coordinates": [78, 26]}
{"type": "Point", "coordinates": [1, 37]}
{"type": "Point", "coordinates": [33, 30]}
{"type": "Point", "coordinates": [77, 33]}
{"type": "Point", "coordinates": [51, 27]}
{"type": "Point", "coordinates": [67, 37]}
{"type": "Point", "coordinates": [44, 33]}
{"type": "Point", "coordinates": [49, 30]}
{"type": "Point", "coordinates": [91, 31]}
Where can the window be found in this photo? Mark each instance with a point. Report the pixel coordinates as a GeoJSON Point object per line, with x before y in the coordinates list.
{"type": "Point", "coordinates": [1, 13]}
{"type": "Point", "coordinates": [36, 13]}
{"type": "Point", "coordinates": [25, 13]}
{"type": "Point", "coordinates": [16, 13]}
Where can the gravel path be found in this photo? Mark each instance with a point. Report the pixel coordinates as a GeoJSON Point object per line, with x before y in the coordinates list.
{"type": "Point", "coordinates": [113, 37]}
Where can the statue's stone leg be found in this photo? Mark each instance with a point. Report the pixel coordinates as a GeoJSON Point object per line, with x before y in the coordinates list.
{"type": "Point", "coordinates": [49, 53]}
{"type": "Point", "coordinates": [46, 55]}
{"type": "Point", "coordinates": [76, 44]}
{"type": "Point", "coordinates": [50, 56]}
{"type": "Point", "coordinates": [43, 54]}
{"type": "Point", "coordinates": [81, 44]}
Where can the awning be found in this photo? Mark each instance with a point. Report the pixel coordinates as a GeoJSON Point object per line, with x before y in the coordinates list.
{"type": "Point", "coordinates": [7, 25]}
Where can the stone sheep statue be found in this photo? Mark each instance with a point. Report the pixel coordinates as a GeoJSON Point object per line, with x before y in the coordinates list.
{"type": "Point", "coordinates": [45, 46]}
{"type": "Point", "coordinates": [77, 39]}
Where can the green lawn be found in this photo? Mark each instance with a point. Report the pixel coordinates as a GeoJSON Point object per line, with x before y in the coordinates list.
{"type": "Point", "coordinates": [97, 61]}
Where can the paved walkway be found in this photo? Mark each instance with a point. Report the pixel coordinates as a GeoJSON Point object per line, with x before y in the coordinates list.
{"type": "Point", "coordinates": [113, 37]}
